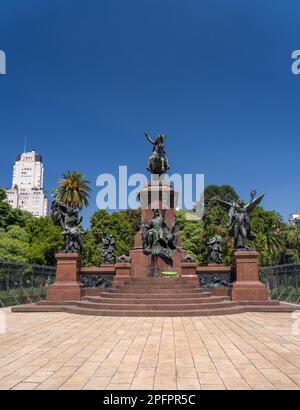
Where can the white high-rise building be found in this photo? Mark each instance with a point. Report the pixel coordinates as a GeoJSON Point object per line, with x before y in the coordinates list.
{"type": "Point", "coordinates": [27, 191]}
{"type": "Point", "coordinates": [294, 218]}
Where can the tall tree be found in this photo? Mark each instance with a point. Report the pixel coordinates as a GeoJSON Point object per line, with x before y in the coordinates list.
{"type": "Point", "coordinates": [45, 240]}
{"type": "Point", "coordinates": [191, 235]}
{"type": "Point", "coordinates": [13, 244]}
{"type": "Point", "coordinates": [73, 190]}
{"type": "Point", "coordinates": [133, 217]}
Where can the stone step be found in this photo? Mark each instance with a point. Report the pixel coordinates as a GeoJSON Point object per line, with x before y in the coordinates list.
{"type": "Point", "coordinates": [281, 307]}
{"type": "Point", "coordinates": [158, 291]}
{"type": "Point", "coordinates": [146, 290]}
{"type": "Point", "coordinates": [129, 313]}
{"type": "Point", "coordinates": [71, 308]}
{"type": "Point", "coordinates": [150, 300]}
{"type": "Point", "coordinates": [148, 295]}
{"type": "Point", "coordinates": [156, 286]}
{"type": "Point", "coordinates": [157, 281]}
{"type": "Point", "coordinates": [150, 307]}
{"type": "Point", "coordinates": [261, 303]}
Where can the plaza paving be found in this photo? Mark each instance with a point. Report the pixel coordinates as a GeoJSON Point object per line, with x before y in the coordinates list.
{"type": "Point", "coordinates": [63, 351]}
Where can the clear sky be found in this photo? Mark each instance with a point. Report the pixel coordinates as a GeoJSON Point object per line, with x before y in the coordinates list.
{"type": "Point", "coordinates": [85, 78]}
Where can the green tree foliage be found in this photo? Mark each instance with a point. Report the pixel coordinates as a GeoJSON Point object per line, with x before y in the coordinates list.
{"type": "Point", "coordinates": [2, 194]}
{"type": "Point", "coordinates": [133, 216]}
{"type": "Point", "coordinates": [224, 192]}
{"type": "Point", "coordinates": [292, 243]}
{"type": "Point", "coordinates": [92, 250]}
{"type": "Point", "coordinates": [73, 190]}
{"type": "Point", "coordinates": [10, 216]}
{"type": "Point", "coordinates": [270, 235]}
{"type": "Point", "coordinates": [13, 244]}
{"type": "Point", "coordinates": [102, 223]}
{"type": "Point", "coordinates": [191, 235]}
{"type": "Point", "coordinates": [24, 238]}
{"type": "Point", "coordinates": [45, 240]}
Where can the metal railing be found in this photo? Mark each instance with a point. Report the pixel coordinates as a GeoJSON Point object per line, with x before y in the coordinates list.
{"type": "Point", "coordinates": [23, 282]}
{"type": "Point", "coordinates": [283, 282]}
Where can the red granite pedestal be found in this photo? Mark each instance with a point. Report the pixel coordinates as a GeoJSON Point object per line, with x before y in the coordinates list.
{"type": "Point", "coordinates": [123, 270]}
{"type": "Point", "coordinates": [247, 286]}
{"type": "Point", "coordinates": [155, 195]}
{"type": "Point", "coordinates": [67, 285]}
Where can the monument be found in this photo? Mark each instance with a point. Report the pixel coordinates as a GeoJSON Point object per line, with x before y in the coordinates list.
{"type": "Point", "coordinates": [138, 284]}
{"type": "Point", "coordinates": [157, 244]}
{"type": "Point", "coordinates": [246, 285]}
{"type": "Point", "coordinates": [67, 285]}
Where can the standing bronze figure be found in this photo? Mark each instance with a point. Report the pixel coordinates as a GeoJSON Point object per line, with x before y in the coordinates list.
{"type": "Point", "coordinates": [158, 238]}
{"type": "Point", "coordinates": [158, 162]}
{"type": "Point", "coordinates": [239, 216]}
{"type": "Point", "coordinates": [214, 250]}
{"type": "Point", "coordinates": [108, 249]}
{"type": "Point", "coordinates": [68, 218]}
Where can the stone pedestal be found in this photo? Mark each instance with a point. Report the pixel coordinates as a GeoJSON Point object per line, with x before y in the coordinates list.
{"type": "Point", "coordinates": [247, 286]}
{"type": "Point", "coordinates": [123, 270]}
{"type": "Point", "coordinates": [67, 286]}
{"type": "Point", "coordinates": [189, 273]}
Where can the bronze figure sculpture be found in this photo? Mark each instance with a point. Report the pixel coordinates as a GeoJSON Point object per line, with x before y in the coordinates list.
{"type": "Point", "coordinates": [158, 162]}
{"type": "Point", "coordinates": [214, 250]}
{"type": "Point", "coordinates": [108, 249]}
{"type": "Point", "coordinates": [68, 218]}
{"type": "Point", "coordinates": [159, 239]}
{"type": "Point", "coordinates": [239, 216]}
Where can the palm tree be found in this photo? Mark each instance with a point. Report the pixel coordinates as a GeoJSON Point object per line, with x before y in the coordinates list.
{"type": "Point", "coordinates": [73, 190]}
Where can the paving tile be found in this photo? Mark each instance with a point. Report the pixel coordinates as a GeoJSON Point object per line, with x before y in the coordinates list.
{"type": "Point", "coordinates": [52, 383]}
{"type": "Point", "coordinates": [188, 384]}
{"type": "Point", "coordinates": [209, 378]}
{"type": "Point", "coordinates": [295, 378]}
{"type": "Point", "coordinates": [213, 387]}
{"type": "Point", "coordinates": [38, 377]}
{"type": "Point", "coordinates": [62, 351]}
{"type": "Point", "coordinates": [122, 378]}
{"type": "Point", "coordinates": [236, 384]}
{"type": "Point", "coordinates": [147, 372]}
{"type": "Point", "coordinates": [120, 386]}
{"type": "Point", "coordinates": [25, 386]}
{"type": "Point", "coordinates": [97, 383]}
{"type": "Point", "coordinates": [186, 373]}
{"type": "Point", "coordinates": [142, 383]}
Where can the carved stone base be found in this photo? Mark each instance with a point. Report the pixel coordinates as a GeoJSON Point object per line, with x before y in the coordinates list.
{"type": "Point", "coordinates": [67, 285]}
{"type": "Point", "coordinates": [122, 272]}
{"type": "Point", "coordinates": [141, 263]}
{"type": "Point", "coordinates": [247, 286]}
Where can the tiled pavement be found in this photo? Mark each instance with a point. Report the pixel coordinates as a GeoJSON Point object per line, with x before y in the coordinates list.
{"type": "Point", "coordinates": [63, 351]}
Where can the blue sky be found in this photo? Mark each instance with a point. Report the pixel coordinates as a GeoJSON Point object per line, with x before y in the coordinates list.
{"type": "Point", "coordinates": [86, 78]}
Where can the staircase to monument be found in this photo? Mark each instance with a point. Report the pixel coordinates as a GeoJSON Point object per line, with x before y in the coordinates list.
{"type": "Point", "coordinates": [153, 297]}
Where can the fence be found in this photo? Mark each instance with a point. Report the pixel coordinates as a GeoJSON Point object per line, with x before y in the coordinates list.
{"type": "Point", "coordinates": [23, 282]}
{"type": "Point", "coordinates": [27, 283]}
{"type": "Point", "coordinates": [283, 282]}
